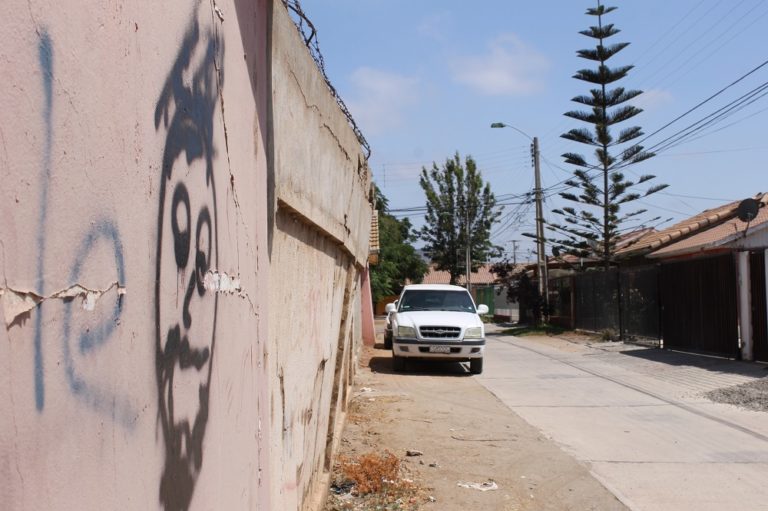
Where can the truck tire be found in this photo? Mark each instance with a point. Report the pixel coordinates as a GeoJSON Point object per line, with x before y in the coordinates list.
{"type": "Point", "coordinates": [388, 340]}
{"type": "Point", "coordinates": [476, 365]}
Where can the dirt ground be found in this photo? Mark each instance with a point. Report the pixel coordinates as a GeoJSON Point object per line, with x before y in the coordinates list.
{"type": "Point", "coordinates": [463, 435]}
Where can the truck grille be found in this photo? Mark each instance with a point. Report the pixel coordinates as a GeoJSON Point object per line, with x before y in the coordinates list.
{"type": "Point", "coordinates": [440, 332]}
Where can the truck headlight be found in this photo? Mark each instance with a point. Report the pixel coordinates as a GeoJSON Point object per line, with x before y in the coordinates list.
{"type": "Point", "coordinates": [406, 331]}
{"type": "Point", "coordinates": [474, 332]}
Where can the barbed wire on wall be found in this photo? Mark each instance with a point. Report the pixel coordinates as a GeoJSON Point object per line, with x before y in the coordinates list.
{"type": "Point", "coordinates": [308, 33]}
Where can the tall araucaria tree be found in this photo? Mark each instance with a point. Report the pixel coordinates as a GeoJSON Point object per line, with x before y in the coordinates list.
{"type": "Point", "coordinates": [592, 228]}
{"type": "Point", "coordinates": [461, 209]}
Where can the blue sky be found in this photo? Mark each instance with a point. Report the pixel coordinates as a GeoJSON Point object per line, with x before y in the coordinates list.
{"type": "Point", "coordinates": [425, 79]}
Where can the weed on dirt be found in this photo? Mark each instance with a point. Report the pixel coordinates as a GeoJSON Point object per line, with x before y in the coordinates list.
{"type": "Point", "coordinates": [372, 481]}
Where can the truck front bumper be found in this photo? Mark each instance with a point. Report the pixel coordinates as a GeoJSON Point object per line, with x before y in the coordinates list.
{"type": "Point", "coordinates": [414, 348]}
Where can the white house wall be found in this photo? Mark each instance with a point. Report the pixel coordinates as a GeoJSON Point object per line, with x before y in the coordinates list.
{"type": "Point", "coordinates": [756, 239]}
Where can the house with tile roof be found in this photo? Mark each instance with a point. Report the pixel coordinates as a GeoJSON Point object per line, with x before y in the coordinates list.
{"type": "Point", "coordinates": [484, 290]}
{"type": "Point", "coordinates": [712, 281]}
{"type": "Point", "coordinates": [701, 280]}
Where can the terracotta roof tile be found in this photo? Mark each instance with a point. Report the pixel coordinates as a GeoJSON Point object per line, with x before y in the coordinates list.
{"type": "Point", "coordinates": [714, 237]}
{"type": "Point", "coordinates": [684, 228]}
{"type": "Point", "coordinates": [482, 276]}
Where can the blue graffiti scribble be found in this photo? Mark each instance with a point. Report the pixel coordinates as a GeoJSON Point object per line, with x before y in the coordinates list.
{"type": "Point", "coordinates": [45, 55]}
{"type": "Point", "coordinates": [92, 338]}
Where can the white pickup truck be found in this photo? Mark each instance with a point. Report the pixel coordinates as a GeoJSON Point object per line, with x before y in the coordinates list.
{"type": "Point", "coordinates": [437, 322]}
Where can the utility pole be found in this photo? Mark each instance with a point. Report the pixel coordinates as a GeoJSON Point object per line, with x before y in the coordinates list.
{"type": "Point", "coordinates": [514, 252]}
{"type": "Point", "coordinates": [469, 247]}
{"type": "Point", "coordinates": [541, 255]}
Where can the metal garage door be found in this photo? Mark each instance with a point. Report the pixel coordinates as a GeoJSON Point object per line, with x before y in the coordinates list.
{"type": "Point", "coordinates": [698, 299]}
{"type": "Point", "coordinates": [759, 330]}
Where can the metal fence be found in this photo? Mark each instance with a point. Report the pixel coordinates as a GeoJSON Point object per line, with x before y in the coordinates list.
{"type": "Point", "coordinates": [624, 301]}
{"type": "Point", "coordinates": [561, 302]}
{"type": "Point", "coordinates": [640, 310]}
{"type": "Point", "coordinates": [596, 301]}
{"type": "Point", "coordinates": [485, 295]}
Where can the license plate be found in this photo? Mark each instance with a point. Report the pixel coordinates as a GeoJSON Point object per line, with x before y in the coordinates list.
{"type": "Point", "coordinates": [439, 349]}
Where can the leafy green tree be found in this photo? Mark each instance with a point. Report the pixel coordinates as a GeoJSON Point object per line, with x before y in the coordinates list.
{"type": "Point", "coordinates": [398, 260]}
{"type": "Point", "coordinates": [521, 289]}
{"type": "Point", "coordinates": [458, 198]}
{"type": "Point", "coordinates": [593, 229]}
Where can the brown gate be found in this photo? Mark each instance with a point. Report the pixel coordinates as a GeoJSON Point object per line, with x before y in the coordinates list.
{"type": "Point", "coordinates": [759, 329]}
{"type": "Point", "coordinates": [698, 299]}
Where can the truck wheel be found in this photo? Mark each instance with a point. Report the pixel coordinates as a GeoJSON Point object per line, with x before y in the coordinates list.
{"type": "Point", "coordinates": [398, 363]}
{"type": "Point", "coordinates": [476, 365]}
{"type": "Point", "coordinates": [388, 341]}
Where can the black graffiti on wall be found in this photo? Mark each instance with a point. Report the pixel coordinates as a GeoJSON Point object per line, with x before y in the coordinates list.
{"type": "Point", "coordinates": [187, 247]}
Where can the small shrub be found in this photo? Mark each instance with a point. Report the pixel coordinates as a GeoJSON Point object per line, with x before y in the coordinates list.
{"type": "Point", "coordinates": [608, 334]}
{"type": "Point", "coordinates": [371, 472]}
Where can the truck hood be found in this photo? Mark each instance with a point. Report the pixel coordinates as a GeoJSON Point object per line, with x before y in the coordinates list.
{"type": "Point", "coordinates": [438, 318]}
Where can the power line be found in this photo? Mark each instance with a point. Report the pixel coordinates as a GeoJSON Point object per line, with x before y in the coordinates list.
{"type": "Point", "coordinates": [694, 24]}
{"type": "Point", "coordinates": [707, 31]}
{"type": "Point", "coordinates": [704, 102]}
{"type": "Point", "coordinates": [734, 104]}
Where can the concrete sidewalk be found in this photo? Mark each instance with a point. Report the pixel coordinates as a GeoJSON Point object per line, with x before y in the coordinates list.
{"type": "Point", "coordinates": [637, 417]}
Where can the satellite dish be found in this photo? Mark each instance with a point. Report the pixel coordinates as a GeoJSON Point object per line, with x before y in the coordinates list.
{"type": "Point", "coordinates": [747, 210]}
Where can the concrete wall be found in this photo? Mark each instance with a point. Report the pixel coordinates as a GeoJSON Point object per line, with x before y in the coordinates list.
{"type": "Point", "coordinates": [321, 217]}
{"type": "Point", "coordinates": [143, 253]}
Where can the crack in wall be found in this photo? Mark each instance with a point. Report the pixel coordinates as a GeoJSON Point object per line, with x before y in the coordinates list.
{"type": "Point", "coordinates": [17, 457]}
{"type": "Point", "coordinates": [307, 104]}
{"type": "Point", "coordinates": [312, 106]}
{"type": "Point", "coordinates": [16, 302]}
{"type": "Point", "coordinates": [338, 142]}
{"type": "Point", "coordinates": [216, 12]}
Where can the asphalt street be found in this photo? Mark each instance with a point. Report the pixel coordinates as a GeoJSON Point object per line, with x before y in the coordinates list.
{"type": "Point", "coordinates": [637, 419]}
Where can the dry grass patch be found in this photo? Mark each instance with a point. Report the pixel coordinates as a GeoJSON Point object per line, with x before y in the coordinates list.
{"type": "Point", "coordinates": [371, 472]}
{"type": "Point", "coordinates": [372, 481]}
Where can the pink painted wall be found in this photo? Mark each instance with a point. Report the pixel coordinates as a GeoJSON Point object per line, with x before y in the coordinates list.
{"type": "Point", "coordinates": [369, 329]}
{"type": "Point", "coordinates": [133, 251]}
{"type": "Point", "coordinates": [184, 217]}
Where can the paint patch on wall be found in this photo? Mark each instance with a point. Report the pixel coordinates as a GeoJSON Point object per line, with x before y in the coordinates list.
{"type": "Point", "coordinates": [221, 282]}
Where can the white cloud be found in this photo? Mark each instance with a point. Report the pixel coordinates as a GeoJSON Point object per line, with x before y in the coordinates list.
{"type": "Point", "coordinates": [653, 99]}
{"type": "Point", "coordinates": [509, 67]}
{"type": "Point", "coordinates": [379, 98]}
{"type": "Point", "coordinates": [436, 26]}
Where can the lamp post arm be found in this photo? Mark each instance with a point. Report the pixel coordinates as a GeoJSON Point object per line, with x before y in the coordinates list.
{"type": "Point", "coordinates": [505, 125]}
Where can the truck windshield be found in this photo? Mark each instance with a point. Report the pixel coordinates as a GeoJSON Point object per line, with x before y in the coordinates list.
{"type": "Point", "coordinates": [436, 300]}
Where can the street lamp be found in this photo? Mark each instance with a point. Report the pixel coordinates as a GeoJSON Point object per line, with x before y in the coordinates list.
{"type": "Point", "coordinates": [541, 255]}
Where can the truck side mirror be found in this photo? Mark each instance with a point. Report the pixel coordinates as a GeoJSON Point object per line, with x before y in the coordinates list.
{"type": "Point", "coordinates": [482, 309]}
{"type": "Point", "coordinates": [390, 308]}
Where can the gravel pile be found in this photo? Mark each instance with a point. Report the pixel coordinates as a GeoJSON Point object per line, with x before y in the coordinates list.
{"type": "Point", "coordinates": [752, 395]}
